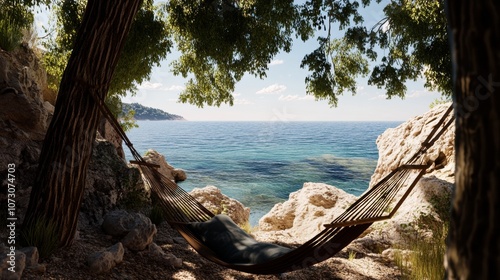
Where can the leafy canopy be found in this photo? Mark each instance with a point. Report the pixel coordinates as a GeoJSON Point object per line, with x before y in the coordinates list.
{"type": "Point", "coordinates": [222, 40]}
{"type": "Point", "coordinates": [412, 39]}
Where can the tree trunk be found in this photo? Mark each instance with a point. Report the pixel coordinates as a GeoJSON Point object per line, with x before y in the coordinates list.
{"type": "Point", "coordinates": [474, 237]}
{"type": "Point", "coordinates": [59, 185]}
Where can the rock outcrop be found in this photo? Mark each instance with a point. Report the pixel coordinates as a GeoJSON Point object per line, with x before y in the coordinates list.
{"type": "Point", "coordinates": [165, 169]}
{"type": "Point", "coordinates": [110, 182]}
{"type": "Point", "coordinates": [212, 198]}
{"type": "Point", "coordinates": [304, 213]}
{"type": "Point", "coordinates": [397, 145]}
{"type": "Point", "coordinates": [24, 118]}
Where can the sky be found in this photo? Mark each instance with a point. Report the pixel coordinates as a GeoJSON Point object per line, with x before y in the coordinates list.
{"type": "Point", "coordinates": [282, 95]}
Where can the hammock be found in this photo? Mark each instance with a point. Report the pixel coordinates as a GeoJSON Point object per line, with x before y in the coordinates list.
{"type": "Point", "coordinates": [219, 240]}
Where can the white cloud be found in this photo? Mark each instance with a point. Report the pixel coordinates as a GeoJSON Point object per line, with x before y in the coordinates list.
{"type": "Point", "coordinates": [159, 86]}
{"type": "Point", "coordinates": [174, 88]}
{"type": "Point", "coordinates": [149, 85]}
{"type": "Point", "coordinates": [378, 97]}
{"type": "Point", "coordinates": [295, 97]}
{"type": "Point", "coordinates": [272, 89]}
{"type": "Point", "coordinates": [420, 93]}
{"type": "Point", "coordinates": [242, 101]}
{"type": "Point", "coordinates": [276, 62]}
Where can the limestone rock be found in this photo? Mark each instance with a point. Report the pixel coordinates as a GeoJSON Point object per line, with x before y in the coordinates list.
{"type": "Point", "coordinates": [137, 230]}
{"type": "Point", "coordinates": [109, 182]}
{"type": "Point", "coordinates": [104, 261]}
{"type": "Point", "coordinates": [32, 255]}
{"type": "Point", "coordinates": [23, 120]}
{"type": "Point", "coordinates": [108, 133]}
{"type": "Point", "coordinates": [429, 199]}
{"type": "Point", "coordinates": [397, 145]}
{"type": "Point", "coordinates": [306, 211]}
{"type": "Point", "coordinates": [165, 258]}
{"type": "Point", "coordinates": [432, 193]}
{"type": "Point", "coordinates": [165, 169]}
{"type": "Point", "coordinates": [118, 223]}
{"type": "Point", "coordinates": [12, 265]}
{"type": "Point", "coordinates": [212, 198]}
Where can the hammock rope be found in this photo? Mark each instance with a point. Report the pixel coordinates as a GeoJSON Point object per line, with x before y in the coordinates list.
{"type": "Point", "coordinates": [181, 209]}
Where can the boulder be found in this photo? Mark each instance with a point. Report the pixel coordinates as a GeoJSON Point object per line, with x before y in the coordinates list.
{"type": "Point", "coordinates": [118, 223]}
{"type": "Point", "coordinates": [12, 264]}
{"type": "Point", "coordinates": [397, 145]}
{"type": "Point", "coordinates": [106, 260]}
{"type": "Point", "coordinates": [212, 198]}
{"type": "Point", "coordinates": [430, 199]}
{"type": "Point", "coordinates": [109, 183]}
{"type": "Point", "coordinates": [136, 229]}
{"type": "Point", "coordinates": [165, 169]}
{"type": "Point", "coordinates": [306, 211]}
{"type": "Point", "coordinates": [165, 258]}
{"type": "Point", "coordinates": [32, 255]}
{"type": "Point", "coordinates": [428, 203]}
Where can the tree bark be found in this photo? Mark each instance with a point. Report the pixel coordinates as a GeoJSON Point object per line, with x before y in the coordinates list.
{"type": "Point", "coordinates": [474, 235]}
{"type": "Point", "coordinates": [59, 185]}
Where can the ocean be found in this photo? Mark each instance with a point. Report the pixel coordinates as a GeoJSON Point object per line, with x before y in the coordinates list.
{"type": "Point", "coordinates": [261, 163]}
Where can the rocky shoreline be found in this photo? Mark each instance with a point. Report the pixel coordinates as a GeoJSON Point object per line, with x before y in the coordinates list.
{"type": "Point", "coordinates": [120, 237]}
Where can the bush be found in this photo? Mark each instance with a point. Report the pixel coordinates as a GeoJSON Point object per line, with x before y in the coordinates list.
{"type": "Point", "coordinates": [43, 235]}
{"type": "Point", "coordinates": [426, 257]}
{"type": "Point", "coordinates": [14, 18]}
{"type": "Point", "coordinates": [156, 214]}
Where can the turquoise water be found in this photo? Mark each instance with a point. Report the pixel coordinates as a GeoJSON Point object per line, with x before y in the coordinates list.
{"type": "Point", "coordinates": [261, 163]}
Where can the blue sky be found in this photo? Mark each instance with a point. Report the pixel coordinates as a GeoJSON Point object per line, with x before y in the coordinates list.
{"type": "Point", "coordinates": [281, 96]}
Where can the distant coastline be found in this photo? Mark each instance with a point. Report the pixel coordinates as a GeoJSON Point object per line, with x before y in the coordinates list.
{"type": "Point", "coordinates": [144, 113]}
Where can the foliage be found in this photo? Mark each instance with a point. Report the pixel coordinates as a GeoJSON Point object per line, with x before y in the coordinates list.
{"type": "Point", "coordinates": [147, 44]}
{"type": "Point", "coordinates": [412, 38]}
{"type": "Point", "coordinates": [439, 101]}
{"type": "Point", "coordinates": [156, 214]}
{"type": "Point", "coordinates": [425, 260]}
{"type": "Point", "coordinates": [426, 256]}
{"type": "Point", "coordinates": [147, 113]}
{"type": "Point", "coordinates": [15, 16]}
{"type": "Point", "coordinates": [221, 40]}
{"type": "Point", "coordinates": [43, 235]}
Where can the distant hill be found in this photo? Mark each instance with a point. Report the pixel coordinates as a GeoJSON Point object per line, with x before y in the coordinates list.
{"type": "Point", "coordinates": [148, 113]}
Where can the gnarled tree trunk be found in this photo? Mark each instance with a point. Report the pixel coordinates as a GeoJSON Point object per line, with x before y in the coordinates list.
{"type": "Point", "coordinates": [474, 237]}
{"type": "Point", "coordinates": [60, 181]}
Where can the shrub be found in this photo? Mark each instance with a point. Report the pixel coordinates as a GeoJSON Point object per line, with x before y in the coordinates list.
{"type": "Point", "coordinates": [14, 18]}
{"type": "Point", "coordinates": [426, 257]}
{"type": "Point", "coordinates": [43, 235]}
{"type": "Point", "coordinates": [156, 214]}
